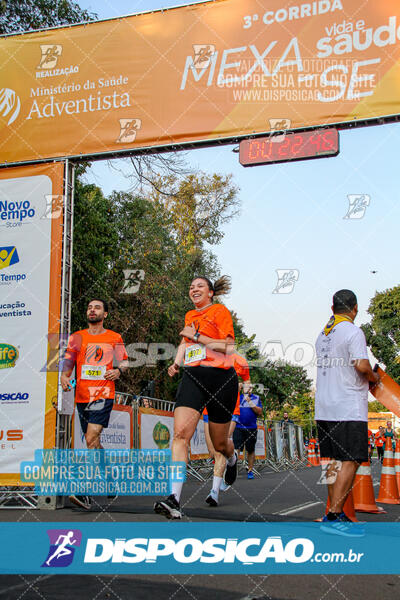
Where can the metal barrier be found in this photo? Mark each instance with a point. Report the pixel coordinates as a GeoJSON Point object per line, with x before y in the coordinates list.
{"type": "Point", "coordinates": [284, 443]}
{"type": "Point", "coordinates": [284, 449]}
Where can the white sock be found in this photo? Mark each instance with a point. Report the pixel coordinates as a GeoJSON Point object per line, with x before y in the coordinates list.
{"type": "Point", "coordinates": [231, 460]}
{"type": "Point", "coordinates": [177, 489]}
{"type": "Point", "coordinates": [216, 485]}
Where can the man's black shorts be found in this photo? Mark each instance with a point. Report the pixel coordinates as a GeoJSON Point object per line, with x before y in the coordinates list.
{"type": "Point", "coordinates": [343, 440]}
{"type": "Point", "coordinates": [97, 412]}
{"type": "Point", "coordinates": [210, 387]}
{"type": "Point", "coordinates": [245, 437]}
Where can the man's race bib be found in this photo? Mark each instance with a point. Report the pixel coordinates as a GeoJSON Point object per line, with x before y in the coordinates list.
{"type": "Point", "coordinates": [195, 353]}
{"type": "Point", "coordinates": [93, 373]}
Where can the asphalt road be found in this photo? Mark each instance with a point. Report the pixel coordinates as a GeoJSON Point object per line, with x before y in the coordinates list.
{"type": "Point", "coordinates": [284, 496]}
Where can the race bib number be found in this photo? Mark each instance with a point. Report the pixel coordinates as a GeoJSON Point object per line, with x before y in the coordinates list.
{"type": "Point", "coordinates": [195, 353]}
{"type": "Point", "coordinates": [93, 373]}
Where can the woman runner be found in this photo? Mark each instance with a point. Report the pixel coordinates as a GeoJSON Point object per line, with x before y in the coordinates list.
{"type": "Point", "coordinates": [209, 380]}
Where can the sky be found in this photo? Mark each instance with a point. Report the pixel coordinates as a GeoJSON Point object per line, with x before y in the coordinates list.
{"type": "Point", "coordinates": [292, 218]}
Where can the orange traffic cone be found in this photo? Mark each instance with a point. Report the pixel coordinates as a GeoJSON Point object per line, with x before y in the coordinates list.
{"type": "Point", "coordinates": [388, 492]}
{"type": "Point", "coordinates": [363, 491]}
{"type": "Point", "coordinates": [397, 464]}
{"type": "Point", "coordinates": [317, 457]}
{"type": "Point", "coordinates": [312, 457]}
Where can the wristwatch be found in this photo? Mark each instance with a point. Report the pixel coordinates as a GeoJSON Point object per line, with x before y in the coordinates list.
{"type": "Point", "coordinates": [120, 372]}
{"type": "Point", "coordinates": [196, 336]}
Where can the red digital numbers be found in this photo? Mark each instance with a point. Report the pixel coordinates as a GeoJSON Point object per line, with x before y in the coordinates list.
{"type": "Point", "coordinates": [292, 146]}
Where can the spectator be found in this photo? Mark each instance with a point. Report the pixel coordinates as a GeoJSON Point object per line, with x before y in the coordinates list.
{"type": "Point", "coordinates": [245, 434]}
{"type": "Point", "coordinates": [390, 433]}
{"type": "Point", "coordinates": [380, 442]}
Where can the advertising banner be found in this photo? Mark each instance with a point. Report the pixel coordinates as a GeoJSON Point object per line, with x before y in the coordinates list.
{"type": "Point", "coordinates": [156, 428]}
{"type": "Point", "coordinates": [198, 444]}
{"type": "Point", "coordinates": [169, 548]}
{"type": "Point", "coordinates": [261, 448]}
{"type": "Point", "coordinates": [31, 215]}
{"type": "Point", "coordinates": [226, 68]}
{"type": "Point", "coordinates": [117, 436]}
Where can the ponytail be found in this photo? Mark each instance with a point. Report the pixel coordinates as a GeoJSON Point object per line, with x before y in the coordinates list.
{"type": "Point", "coordinates": [221, 287]}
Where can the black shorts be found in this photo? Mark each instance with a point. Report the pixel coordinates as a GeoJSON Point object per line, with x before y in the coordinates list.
{"type": "Point", "coordinates": [97, 412]}
{"type": "Point", "coordinates": [209, 387]}
{"type": "Point", "coordinates": [245, 438]}
{"type": "Point", "coordinates": [343, 440]}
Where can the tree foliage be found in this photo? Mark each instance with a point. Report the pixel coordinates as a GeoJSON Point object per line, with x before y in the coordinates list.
{"type": "Point", "coordinates": [383, 333]}
{"type": "Point", "coordinates": [24, 15]}
{"type": "Point", "coordinates": [285, 384]}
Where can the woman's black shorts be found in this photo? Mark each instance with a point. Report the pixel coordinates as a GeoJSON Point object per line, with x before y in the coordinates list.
{"type": "Point", "coordinates": [209, 387]}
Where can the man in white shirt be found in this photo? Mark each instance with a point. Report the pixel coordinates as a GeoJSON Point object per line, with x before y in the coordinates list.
{"type": "Point", "coordinates": [341, 403]}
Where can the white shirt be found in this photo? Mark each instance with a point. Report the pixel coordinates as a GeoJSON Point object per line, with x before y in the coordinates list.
{"type": "Point", "coordinates": [342, 392]}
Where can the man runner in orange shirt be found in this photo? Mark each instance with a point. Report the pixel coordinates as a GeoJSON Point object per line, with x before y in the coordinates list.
{"type": "Point", "coordinates": [100, 358]}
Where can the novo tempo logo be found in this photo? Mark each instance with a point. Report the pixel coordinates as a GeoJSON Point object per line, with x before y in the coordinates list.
{"type": "Point", "coordinates": [8, 256]}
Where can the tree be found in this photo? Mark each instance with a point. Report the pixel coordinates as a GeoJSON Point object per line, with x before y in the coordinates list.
{"type": "Point", "coordinates": [95, 247]}
{"type": "Point", "coordinates": [383, 333]}
{"type": "Point", "coordinates": [376, 406]}
{"type": "Point", "coordinates": [25, 15]}
{"type": "Point", "coordinates": [199, 205]}
{"type": "Point", "coordinates": [283, 384]}
{"type": "Point", "coordinates": [303, 413]}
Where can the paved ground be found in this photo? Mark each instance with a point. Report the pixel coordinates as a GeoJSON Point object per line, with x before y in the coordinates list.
{"type": "Point", "coordinates": [285, 496]}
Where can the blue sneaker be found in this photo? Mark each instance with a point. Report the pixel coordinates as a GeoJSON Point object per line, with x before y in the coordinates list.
{"type": "Point", "coordinates": [342, 526]}
{"type": "Point", "coordinates": [250, 475]}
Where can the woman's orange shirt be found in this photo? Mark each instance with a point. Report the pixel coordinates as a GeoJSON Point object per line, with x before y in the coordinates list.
{"type": "Point", "coordinates": [214, 322]}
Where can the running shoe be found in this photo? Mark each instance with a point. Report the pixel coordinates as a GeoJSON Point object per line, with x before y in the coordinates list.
{"type": "Point", "coordinates": [250, 475]}
{"type": "Point", "coordinates": [212, 499]}
{"type": "Point", "coordinates": [231, 472]}
{"type": "Point", "coordinates": [343, 526]}
{"type": "Point", "coordinates": [81, 501]}
{"type": "Point", "coordinates": [169, 508]}
{"type": "Point", "coordinates": [224, 487]}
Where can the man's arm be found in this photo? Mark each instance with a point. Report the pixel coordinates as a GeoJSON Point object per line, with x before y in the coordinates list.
{"type": "Point", "coordinates": [121, 359]}
{"type": "Point", "coordinates": [363, 366]}
{"type": "Point", "coordinates": [253, 406]}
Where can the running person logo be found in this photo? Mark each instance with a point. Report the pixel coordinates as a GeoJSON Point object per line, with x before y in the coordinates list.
{"type": "Point", "coordinates": [128, 130]}
{"type": "Point", "coordinates": [50, 56]}
{"type": "Point", "coordinates": [63, 543]}
{"type": "Point", "coordinates": [202, 55]}
{"type": "Point", "coordinates": [278, 128]}
{"type": "Point", "coordinates": [94, 353]}
{"type": "Point", "coordinates": [358, 204]}
{"type": "Point", "coordinates": [54, 206]}
{"type": "Point", "coordinates": [10, 104]}
{"type": "Point", "coordinates": [286, 281]}
{"type": "Point", "coordinates": [133, 280]}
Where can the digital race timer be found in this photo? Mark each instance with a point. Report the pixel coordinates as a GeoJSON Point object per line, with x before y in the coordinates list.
{"type": "Point", "coordinates": [290, 146]}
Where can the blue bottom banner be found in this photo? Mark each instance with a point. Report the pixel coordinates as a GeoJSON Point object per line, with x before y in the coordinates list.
{"type": "Point", "coordinates": [228, 548]}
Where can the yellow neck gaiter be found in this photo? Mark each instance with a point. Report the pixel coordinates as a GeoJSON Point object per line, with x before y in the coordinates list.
{"type": "Point", "coordinates": [333, 321]}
